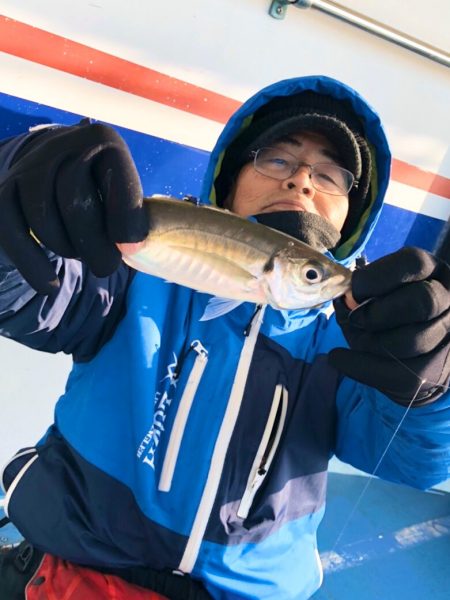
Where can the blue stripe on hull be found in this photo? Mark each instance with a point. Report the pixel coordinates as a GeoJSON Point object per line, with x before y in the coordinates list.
{"type": "Point", "coordinates": [165, 167]}
{"type": "Point", "coordinates": [398, 227]}
{"type": "Point", "coordinates": [173, 169]}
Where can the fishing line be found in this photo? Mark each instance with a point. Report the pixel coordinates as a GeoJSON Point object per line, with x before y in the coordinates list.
{"type": "Point", "coordinates": [372, 475]}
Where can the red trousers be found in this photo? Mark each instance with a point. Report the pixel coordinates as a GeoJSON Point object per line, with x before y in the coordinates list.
{"type": "Point", "coordinates": [57, 579]}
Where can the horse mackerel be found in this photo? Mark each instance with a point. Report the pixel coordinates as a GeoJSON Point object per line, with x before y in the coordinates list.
{"type": "Point", "coordinates": [220, 253]}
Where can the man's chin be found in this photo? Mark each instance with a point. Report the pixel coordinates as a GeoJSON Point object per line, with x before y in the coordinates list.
{"type": "Point", "coordinates": [306, 227]}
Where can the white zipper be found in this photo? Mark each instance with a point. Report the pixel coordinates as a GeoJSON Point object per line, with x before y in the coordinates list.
{"type": "Point", "coordinates": [15, 482]}
{"type": "Point", "coordinates": [220, 449]}
{"type": "Point", "coordinates": [179, 425]}
{"type": "Point", "coordinates": [10, 461]}
{"type": "Point", "coordinates": [264, 455]}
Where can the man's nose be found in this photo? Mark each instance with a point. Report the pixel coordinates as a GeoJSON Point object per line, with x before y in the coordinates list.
{"type": "Point", "coordinates": [300, 180]}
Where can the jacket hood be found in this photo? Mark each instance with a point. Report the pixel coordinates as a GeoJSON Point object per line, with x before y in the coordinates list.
{"type": "Point", "coordinates": [373, 132]}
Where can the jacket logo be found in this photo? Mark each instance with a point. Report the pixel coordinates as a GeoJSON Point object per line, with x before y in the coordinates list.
{"type": "Point", "coordinates": [172, 372]}
{"type": "Point", "coordinates": [162, 400]}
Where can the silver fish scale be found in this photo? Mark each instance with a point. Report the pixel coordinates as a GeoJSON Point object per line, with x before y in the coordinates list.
{"type": "Point", "coordinates": [219, 253]}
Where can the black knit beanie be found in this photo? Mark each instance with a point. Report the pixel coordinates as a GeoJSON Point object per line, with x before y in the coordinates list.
{"type": "Point", "coordinates": [306, 111]}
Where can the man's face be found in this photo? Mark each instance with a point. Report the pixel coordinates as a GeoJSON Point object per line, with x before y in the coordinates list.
{"type": "Point", "coordinates": [254, 193]}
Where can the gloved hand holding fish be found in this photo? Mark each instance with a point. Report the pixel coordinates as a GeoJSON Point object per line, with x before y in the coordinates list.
{"type": "Point", "coordinates": [399, 334]}
{"type": "Point", "coordinates": [77, 190]}
{"type": "Point", "coordinates": [215, 251]}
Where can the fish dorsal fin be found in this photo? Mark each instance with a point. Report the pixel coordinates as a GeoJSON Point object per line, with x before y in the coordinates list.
{"type": "Point", "coordinates": [217, 307]}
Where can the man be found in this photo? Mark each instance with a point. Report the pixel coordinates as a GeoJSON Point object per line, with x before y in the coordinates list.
{"type": "Point", "coordinates": [234, 496]}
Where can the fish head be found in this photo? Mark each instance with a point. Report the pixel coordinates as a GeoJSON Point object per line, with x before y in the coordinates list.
{"type": "Point", "coordinates": [297, 282]}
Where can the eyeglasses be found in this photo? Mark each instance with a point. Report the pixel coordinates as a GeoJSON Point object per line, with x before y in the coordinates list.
{"type": "Point", "coordinates": [325, 177]}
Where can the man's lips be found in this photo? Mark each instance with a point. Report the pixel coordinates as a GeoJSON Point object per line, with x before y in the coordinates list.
{"type": "Point", "coordinates": [291, 204]}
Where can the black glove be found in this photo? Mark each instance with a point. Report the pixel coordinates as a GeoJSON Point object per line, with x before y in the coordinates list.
{"type": "Point", "coordinates": [76, 190]}
{"type": "Point", "coordinates": [400, 336]}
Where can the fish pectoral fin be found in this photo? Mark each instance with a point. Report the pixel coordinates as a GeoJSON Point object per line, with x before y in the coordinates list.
{"type": "Point", "coordinates": [217, 307]}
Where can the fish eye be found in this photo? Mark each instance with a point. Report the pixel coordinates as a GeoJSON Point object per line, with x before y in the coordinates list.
{"type": "Point", "coordinates": [312, 273]}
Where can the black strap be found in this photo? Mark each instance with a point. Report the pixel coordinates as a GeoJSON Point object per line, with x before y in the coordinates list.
{"type": "Point", "coordinates": [4, 521]}
{"type": "Point", "coordinates": [17, 567]}
{"type": "Point", "coordinates": [24, 556]}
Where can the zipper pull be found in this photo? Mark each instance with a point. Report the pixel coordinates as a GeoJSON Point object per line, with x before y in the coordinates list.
{"type": "Point", "coordinates": [198, 347]}
{"type": "Point", "coordinates": [248, 329]}
{"type": "Point", "coordinates": [259, 475]}
{"type": "Point", "coordinates": [247, 499]}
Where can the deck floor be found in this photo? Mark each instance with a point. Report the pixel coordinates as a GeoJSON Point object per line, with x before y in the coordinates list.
{"type": "Point", "coordinates": [395, 544]}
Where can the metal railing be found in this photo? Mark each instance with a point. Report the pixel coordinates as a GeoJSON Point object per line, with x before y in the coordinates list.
{"type": "Point", "coordinates": [278, 11]}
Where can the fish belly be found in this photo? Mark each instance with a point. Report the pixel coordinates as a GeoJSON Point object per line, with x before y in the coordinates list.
{"type": "Point", "coordinates": [205, 267]}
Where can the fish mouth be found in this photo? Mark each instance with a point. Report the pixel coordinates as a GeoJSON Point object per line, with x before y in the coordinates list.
{"type": "Point", "coordinates": [334, 288]}
{"type": "Point", "coordinates": [338, 286]}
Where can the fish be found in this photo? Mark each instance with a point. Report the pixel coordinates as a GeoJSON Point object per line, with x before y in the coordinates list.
{"type": "Point", "coordinates": [234, 259]}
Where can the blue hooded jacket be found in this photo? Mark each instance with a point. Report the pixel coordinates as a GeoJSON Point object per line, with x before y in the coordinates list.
{"type": "Point", "coordinates": [197, 446]}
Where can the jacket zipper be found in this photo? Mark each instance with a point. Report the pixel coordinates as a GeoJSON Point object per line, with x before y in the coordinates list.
{"type": "Point", "coordinates": [10, 461]}
{"type": "Point", "coordinates": [220, 449]}
{"type": "Point", "coordinates": [176, 435]}
{"type": "Point", "coordinates": [266, 451]}
{"type": "Point", "coordinates": [17, 479]}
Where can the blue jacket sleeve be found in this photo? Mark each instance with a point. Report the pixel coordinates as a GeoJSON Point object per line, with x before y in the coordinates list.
{"type": "Point", "coordinates": [380, 437]}
{"type": "Point", "coordinates": [373, 432]}
{"type": "Point", "coordinates": [79, 318]}
{"type": "Point", "coordinates": [411, 447]}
